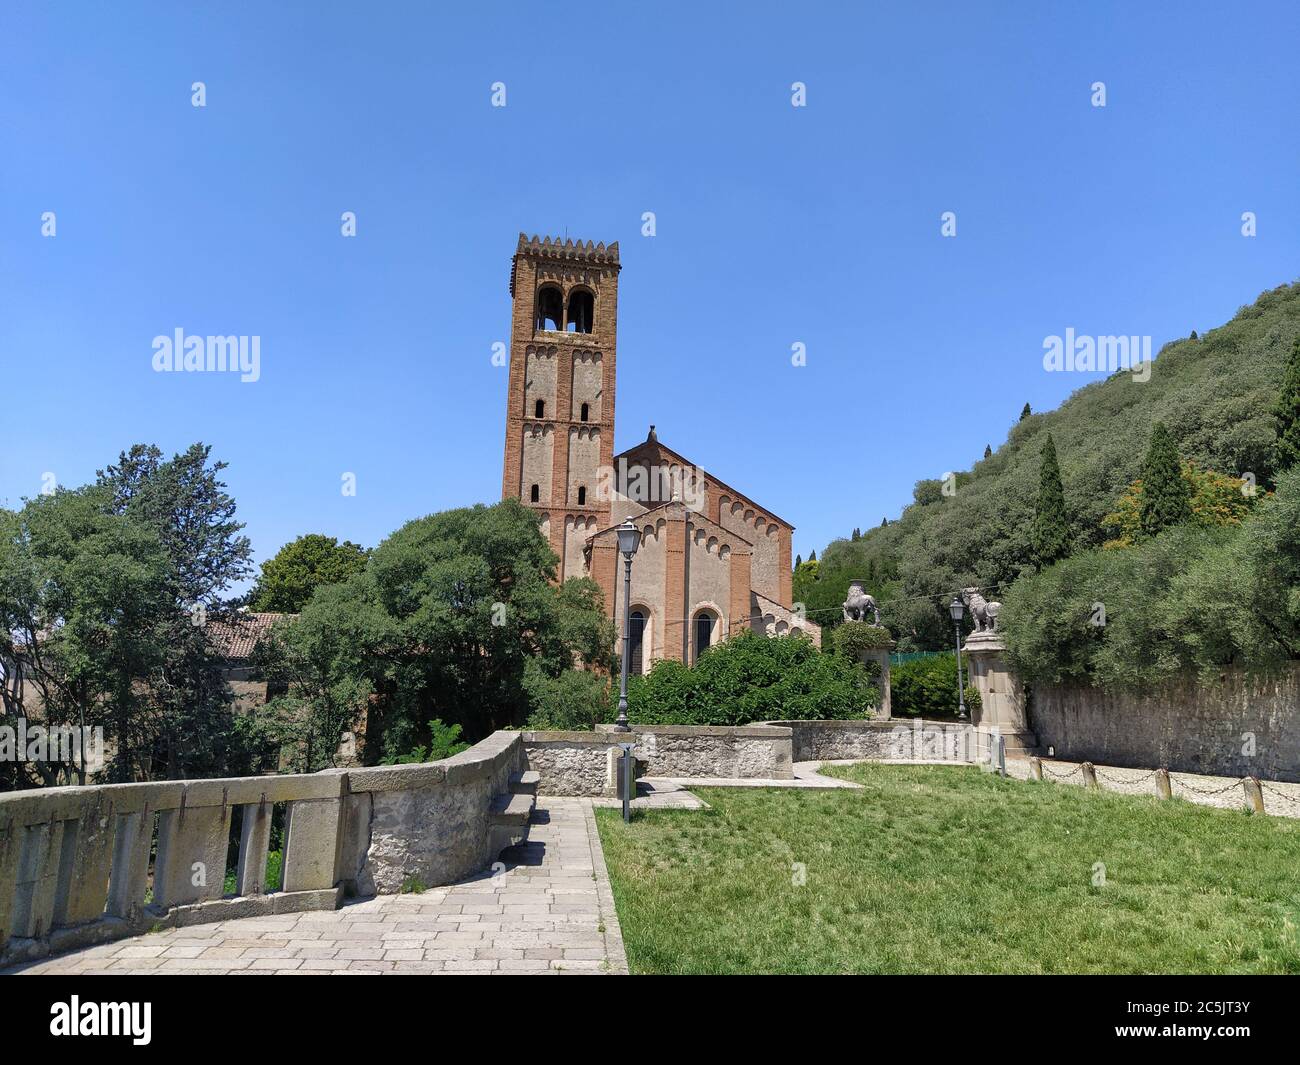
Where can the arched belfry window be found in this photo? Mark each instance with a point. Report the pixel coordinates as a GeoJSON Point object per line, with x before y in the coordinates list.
{"type": "Point", "coordinates": [539, 409]}
{"type": "Point", "coordinates": [535, 494]}
{"type": "Point", "coordinates": [582, 495]}
{"type": "Point", "coordinates": [636, 642]}
{"type": "Point", "coordinates": [582, 309]}
{"type": "Point", "coordinates": [585, 413]}
{"type": "Point", "coordinates": [550, 308]}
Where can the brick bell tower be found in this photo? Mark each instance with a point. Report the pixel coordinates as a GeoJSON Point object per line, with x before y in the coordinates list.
{"type": "Point", "coordinates": [560, 408]}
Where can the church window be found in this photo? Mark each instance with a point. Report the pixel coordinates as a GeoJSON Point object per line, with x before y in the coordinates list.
{"type": "Point", "coordinates": [582, 306]}
{"type": "Point", "coordinates": [550, 307]}
{"type": "Point", "coordinates": [539, 409]}
{"type": "Point", "coordinates": [586, 410]}
{"type": "Point", "coordinates": [535, 494]}
{"type": "Point", "coordinates": [582, 495]}
{"type": "Point", "coordinates": [704, 632]}
{"type": "Point", "coordinates": [636, 641]}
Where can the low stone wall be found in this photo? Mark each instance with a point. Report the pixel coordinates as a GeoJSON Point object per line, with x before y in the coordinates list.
{"type": "Point", "coordinates": [873, 740]}
{"type": "Point", "coordinates": [573, 763]}
{"type": "Point", "coordinates": [427, 822]}
{"type": "Point", "coordinates": [745, 751]}
{"type": "Point", "coordinates": [585, 763]}
{"type": "Point", "coordinates": [1236, 725]}
{"type": "Point", "coordinates": [75, 862]}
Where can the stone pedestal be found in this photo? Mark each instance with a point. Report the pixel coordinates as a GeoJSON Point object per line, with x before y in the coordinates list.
{"type": "Point", "coordinates": [1002, 696]}
{"type": "Point", "coordinates": [880, 655]}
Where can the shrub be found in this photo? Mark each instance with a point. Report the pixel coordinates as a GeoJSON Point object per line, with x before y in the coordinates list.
{"type": "Point", "coordinates": [753, 678]}
{"type": "Point", "coordinates": [852, 638]}
{"type": "Point", "coordinates": [574, 700]}
{"type": "Point", "coordinates": [444, 741]}
{"type": "Point", "coordinates": [927, 687]}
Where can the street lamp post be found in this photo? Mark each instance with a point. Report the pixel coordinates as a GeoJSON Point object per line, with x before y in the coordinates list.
{"type": "Point", "coordinates": [956, 609]}
{"type": "Point", "coordinates": [629, 539]}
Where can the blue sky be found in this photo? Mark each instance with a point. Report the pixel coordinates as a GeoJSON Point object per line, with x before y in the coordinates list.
{"type": "Point", "coordinates": [775, 225]}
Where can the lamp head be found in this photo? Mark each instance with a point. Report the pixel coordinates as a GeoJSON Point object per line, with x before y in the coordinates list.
{"type": "Point", "coordinates": [629, 538]}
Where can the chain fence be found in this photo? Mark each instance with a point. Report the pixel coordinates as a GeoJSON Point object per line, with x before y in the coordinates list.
{"type": "Point", "coordinates": [1278, 800]}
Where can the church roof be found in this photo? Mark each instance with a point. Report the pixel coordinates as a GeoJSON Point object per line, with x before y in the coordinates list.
{"type": "Point", "coordinates": [653, 444]}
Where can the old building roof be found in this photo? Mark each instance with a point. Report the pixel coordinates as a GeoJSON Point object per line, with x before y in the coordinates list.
{"type": "Point", "coordinates": [236, 637]}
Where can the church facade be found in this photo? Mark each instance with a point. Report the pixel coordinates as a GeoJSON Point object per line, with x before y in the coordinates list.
{"type": "Point", "coordinates": [712, 561]}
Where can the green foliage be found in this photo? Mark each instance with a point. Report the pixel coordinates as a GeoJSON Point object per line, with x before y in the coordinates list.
{"type": "Point", "coordinates": [190, 719]}
{"type": "Point", "coordinates": [927, 687]}
{"type": "Point", "coordinates": [105, 593]}
{"type": "Point", "coordinates": [83, 597]}
{"type": "Point", "coordinates": [298, 568]}
{"type": "Point", "coordinates": [852, 638]}
{"type": "Point", "coordinates": [1025, 412]}
{"type": "Point", "coordinates": [1214, 499]}
{"type": "Point", "coordinates": [1287, 411]}
{"type": "Point", "coordinates": [1194, 598]}
{"type": "Point", "coordinates": [1051, 534]}
{"type": "Point", "coordinates": [1166, 501]}
{"type": "Point", "coordinates": [573, 700]}
{"type": "Point", "coordinates": [455, 617]}
{"type": "Point", "coordinates": [1217, 395]}
{"type": "Point", "coordinates": [753, 678]}
{"type": "Point", "coordinates": [443, 743]}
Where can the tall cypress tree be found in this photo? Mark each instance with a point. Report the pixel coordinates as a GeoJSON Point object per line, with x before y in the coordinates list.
{"type": "Point", "coordinates": [1050, 536]}
{"type": "Point", "coordinates": [1025, 412]}
{"type": "Point", "coordinates": [1166, 497]}
{"type": "Point", "coordinates": [988, 450]}
{"type": "Point", "coordinates": [1287, 412]}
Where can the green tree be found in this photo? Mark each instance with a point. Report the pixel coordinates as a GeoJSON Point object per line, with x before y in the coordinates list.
{"type": "Point", "coordinates": [1166, 500]}
{"type": "Point", "coordinates": [988, 451]}
{"type": "Point", "coordinates": [1051, 532]}
{"type": "Point", "coordinates": [1025, 412]}
{"type": "Point", "coordinates": [456, 618]}
{"type": "Point", "coordinates": [82, 595]}
{"type": "Point", "coordinates": [1287, 411]}
{"type": "Point", "coordinates": [1215, 499]}
{"type": "Point", "coordinates": [298, 568]}
{"type": "Point", "coordinates": [184, 501]}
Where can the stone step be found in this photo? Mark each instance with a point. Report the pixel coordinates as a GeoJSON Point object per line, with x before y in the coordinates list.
{"type": "Point", "coordinates": [511, 809]}
{"type": "Point", "coordinates": [508, 818]}
{"type": "Point", "coordinates": [525, 783]}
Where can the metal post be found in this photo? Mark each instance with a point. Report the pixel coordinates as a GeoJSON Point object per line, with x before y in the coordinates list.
{"type": "Point", "coordinates": [629, 768]}
{"type": "Point", "coordinates": [621, 724]}
{"type": "Point", "coordinates": [961, 680]}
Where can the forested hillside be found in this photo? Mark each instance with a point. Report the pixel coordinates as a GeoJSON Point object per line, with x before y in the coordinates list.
{"type": "Point", "coordinates": [1216, 394]}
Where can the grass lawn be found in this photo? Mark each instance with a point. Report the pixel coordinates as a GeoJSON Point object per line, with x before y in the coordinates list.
{"type": "Point", "coordinates": [938, 869]}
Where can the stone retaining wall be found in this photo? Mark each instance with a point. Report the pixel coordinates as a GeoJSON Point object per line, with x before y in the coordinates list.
{"type": "Point", "coordinates": [1235, 725]}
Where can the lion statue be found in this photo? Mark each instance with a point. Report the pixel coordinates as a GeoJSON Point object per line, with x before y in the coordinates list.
{"type": "Point", "coordinates": [859, 604]}
{"type": "Point", "coordinates": [982, 612]}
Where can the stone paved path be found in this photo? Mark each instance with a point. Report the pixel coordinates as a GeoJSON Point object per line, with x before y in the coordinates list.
{"type": "Point", "coordinates": [547, 909]}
